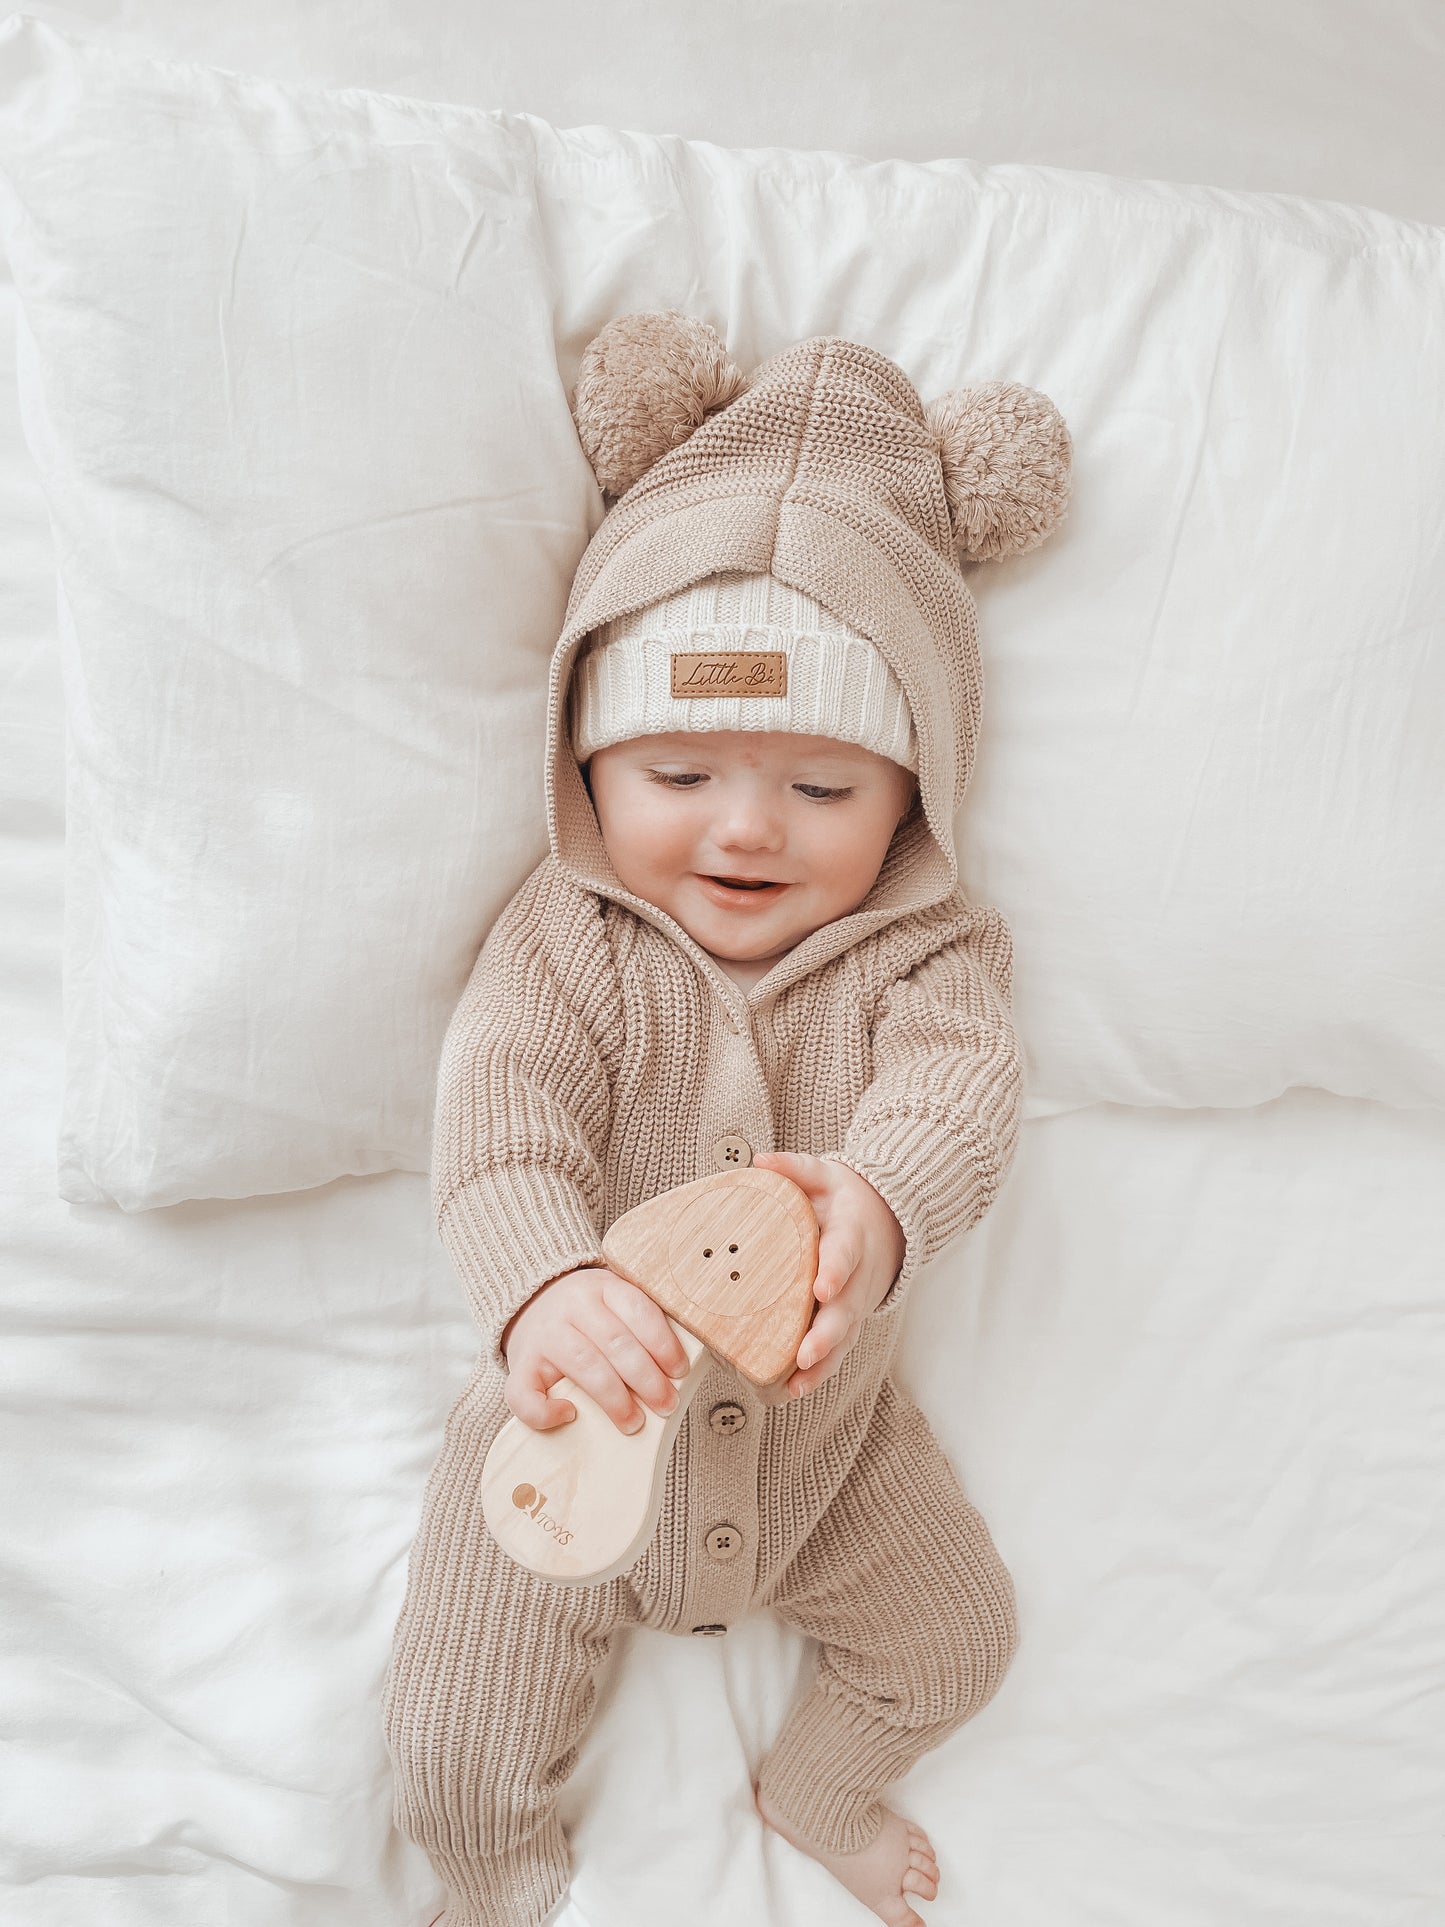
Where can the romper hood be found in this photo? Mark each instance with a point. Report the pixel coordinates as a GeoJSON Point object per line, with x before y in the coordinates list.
{"type": "Point", "coordinates": [826, 471]}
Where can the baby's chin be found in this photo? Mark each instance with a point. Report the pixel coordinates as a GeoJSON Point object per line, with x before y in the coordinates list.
{"type": "Point", "coordinates": [740, 936]}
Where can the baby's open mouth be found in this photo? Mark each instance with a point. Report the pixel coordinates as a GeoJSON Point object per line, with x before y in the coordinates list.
{"type": "Point", "coordinates": [747, 883]}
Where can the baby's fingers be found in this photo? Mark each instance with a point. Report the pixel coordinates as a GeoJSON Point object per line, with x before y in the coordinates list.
{"type": "Point", "coordinates": [831, 1334]}
{"type": "Point", "coordinates": [526, 1394]}
{"type": "Point", "coordinates": [821, 1337]}
{"type": "Point", "coordinates": [838, 1259]}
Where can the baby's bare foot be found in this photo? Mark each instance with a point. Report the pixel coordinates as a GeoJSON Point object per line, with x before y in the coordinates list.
{"type": "Point", "coordinates": [897, 1861]}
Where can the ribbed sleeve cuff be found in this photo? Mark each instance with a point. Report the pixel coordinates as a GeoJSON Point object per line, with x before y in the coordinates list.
{"type": "Point", "coordinates": [516, 1888]}
{"type": "Point", "coordinates": [508, 1232]}
{"type": "Point", "coordinates": [937, 1179]}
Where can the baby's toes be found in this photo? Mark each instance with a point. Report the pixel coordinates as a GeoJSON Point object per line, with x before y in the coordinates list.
{"type": "Point", "coordinates": [898, 1913]}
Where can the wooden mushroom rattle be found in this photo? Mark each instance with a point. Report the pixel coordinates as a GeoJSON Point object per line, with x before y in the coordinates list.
{"type": "Point", "coordinates": [731, 1259]}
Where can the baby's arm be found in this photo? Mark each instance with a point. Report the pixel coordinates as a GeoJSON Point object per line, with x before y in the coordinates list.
{"type": "Point", "coordinates": [523, 1100]}
{"type": "Point", "coordinates": [927, 1145]}
{"type": "Point", "coordinates": [935, 1131]}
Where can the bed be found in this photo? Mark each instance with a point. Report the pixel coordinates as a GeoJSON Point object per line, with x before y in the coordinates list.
{"type": "Point", "coordinates": [1187, 1368]}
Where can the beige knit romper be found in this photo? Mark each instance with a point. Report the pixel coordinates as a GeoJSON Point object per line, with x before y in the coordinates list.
{"type": "Point", "coordinates": [597, 1057]}
{"type": "Point", "coordinates": [591, 1064]}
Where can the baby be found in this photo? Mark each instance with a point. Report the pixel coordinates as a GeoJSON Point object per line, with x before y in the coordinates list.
{"type": "Point", "coordinates": [747, 944]}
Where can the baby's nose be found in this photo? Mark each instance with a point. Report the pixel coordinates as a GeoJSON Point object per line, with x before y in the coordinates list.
{"type": "Point", "coordinates": [748, 827]}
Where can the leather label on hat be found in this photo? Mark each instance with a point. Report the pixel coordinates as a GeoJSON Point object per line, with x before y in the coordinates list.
{"type": "Point", "coordinates": [731, 672]}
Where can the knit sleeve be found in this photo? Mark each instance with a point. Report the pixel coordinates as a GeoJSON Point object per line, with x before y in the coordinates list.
{"type": "Point", "coordinates": [523, 1101]}
{"type": "Point", "coordinates": [935, 1130]}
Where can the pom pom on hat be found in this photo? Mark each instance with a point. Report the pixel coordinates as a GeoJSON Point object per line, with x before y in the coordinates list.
{"type": "Point", "coordinates": [701, 461]}
{"type": "Point", "coordinates": [1006, 457]}
{"type": "Point", "coordinates": [646, 382]}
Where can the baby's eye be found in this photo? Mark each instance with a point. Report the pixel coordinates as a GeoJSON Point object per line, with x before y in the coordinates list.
{"type": "Point", "coordinates": [817, 794]}
{"type": "Point", "coordinates": [674, 782]}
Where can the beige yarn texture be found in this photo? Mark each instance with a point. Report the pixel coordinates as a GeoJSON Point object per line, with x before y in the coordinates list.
{"type": "Point", "coordinates": [594, 1059]}
{"type": "Point", "coordinates": [837, 683]}
{"type": "Point", "coordinates": [588, 1066]}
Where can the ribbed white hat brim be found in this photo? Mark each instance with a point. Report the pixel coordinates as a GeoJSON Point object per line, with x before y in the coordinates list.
{"type": "Point", "coordinates": [838, 684]}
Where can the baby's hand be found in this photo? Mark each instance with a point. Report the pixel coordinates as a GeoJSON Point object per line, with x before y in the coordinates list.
{"type": "Point", "coordinates": [610, 1339]}
{"type": "Point", "coordinates": [860, 1251]}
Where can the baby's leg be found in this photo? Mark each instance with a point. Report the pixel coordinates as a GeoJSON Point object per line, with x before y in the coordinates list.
{"type": "Point", "coordinates": [901, 1582]}
{"type": "Point", "coordinates": [489, 1692]}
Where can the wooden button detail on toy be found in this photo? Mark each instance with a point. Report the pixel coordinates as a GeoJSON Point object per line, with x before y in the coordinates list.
{"type": "Point", "coordinates": [733, 1257]}
{"type": "Point", "coordinates": [724, 1543]}
{"type": "Point", "coordinates": [727, 1416]}
{"type": "Point", "coordinates": [732, 1153]}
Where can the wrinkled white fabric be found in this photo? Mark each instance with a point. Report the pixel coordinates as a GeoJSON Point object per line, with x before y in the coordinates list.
{"type": "Point", "coordinates": [1191, 1377]}
{"type": "Point", "coordinates": [296, 380]}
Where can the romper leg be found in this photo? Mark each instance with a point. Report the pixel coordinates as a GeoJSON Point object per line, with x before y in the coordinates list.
{"type": "Point", "coordinates": [901, 1582]}
{"type": "Point", "coordinates": [490, 1689]}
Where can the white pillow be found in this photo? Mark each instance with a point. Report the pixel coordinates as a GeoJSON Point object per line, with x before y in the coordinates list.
{"type": "Point", "coordinates": [290, 382]}
{"type": "Point", "coordinates": [296, 402]}
{"type": "Point", "coordinates": [1210, 797]}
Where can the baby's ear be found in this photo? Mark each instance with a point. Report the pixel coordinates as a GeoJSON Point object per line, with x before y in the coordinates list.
{"type": "Point", "coordinates": [646, 382]}
{"type": "Point", "coordinates": [1006, 458]}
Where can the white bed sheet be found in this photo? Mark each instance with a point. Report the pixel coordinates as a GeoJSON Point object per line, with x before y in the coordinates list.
{"type": "Point", "coordinates": [1187, 1367]}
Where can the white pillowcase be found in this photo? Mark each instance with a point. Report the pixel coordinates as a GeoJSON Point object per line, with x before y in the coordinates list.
{"type": "Point", "coordinates": [290, 382]}
{"type": "Point", "coordinates": [296, 380]}
{"type": "Point", "coordinates": [1209, 798]}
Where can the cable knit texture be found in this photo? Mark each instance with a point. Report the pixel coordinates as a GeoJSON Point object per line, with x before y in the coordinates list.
{"type": "Point", "coordinates": [595, 1058]}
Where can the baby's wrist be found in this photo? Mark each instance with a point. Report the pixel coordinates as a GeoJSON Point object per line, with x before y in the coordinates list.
{"type": "Point", "coordinates": [890, 1229]}
{"type": "Point", "coordinates": [511, 1325]}
{"type": "Point", "coordinates": [526, 1305]}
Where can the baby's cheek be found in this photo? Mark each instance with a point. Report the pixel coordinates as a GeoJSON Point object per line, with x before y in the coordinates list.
{"type": "Point", "coordinates": [846, 852]}
{"type": "Point", "coordinates": [649, 853]}
{"type": "Point", "coordinates": [666, 840]}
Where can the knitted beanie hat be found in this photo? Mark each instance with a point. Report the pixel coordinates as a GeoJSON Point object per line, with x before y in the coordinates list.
{"type": "Point", "coordinates": [824, 472]}
{"type": "Point", "coordinates": [737, 651]}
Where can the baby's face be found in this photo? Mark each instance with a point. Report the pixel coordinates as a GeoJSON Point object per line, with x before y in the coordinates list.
{"type": "Point", "coordinates": [681, 814]}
